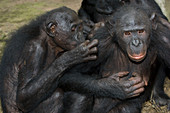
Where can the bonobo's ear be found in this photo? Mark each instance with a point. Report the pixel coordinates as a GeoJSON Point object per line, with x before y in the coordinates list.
{"type": "Point", "coordinates": [153, 20]}
{"type": "Point", "coordinates": [51, 29]}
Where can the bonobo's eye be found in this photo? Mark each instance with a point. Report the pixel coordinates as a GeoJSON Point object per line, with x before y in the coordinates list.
{"type": "Point", "coordinates": [73, 28]}
{"type": "Point", "coordinates": [141, 31]}
{"type": "Point", "coordinates": [127, 33]}
{"type": "Point", "coordinates": [52, 27]}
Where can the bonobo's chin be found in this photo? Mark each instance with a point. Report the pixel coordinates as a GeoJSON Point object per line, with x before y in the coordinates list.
{"type": "Point", "coordinates": [137, 57]}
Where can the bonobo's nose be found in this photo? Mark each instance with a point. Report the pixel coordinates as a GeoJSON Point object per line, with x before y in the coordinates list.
{"type": "Point", "coordinates": [136, 42]}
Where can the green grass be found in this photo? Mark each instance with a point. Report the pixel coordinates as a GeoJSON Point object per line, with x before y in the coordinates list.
{"type": "Point", "coordinates": [16, 13]}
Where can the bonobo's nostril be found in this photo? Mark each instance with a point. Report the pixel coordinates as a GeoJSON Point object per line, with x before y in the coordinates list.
{"type": "Point", "coordinates": [136, 42]}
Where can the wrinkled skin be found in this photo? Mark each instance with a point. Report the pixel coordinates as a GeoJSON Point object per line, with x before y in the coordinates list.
{"type": "Point", "coordinates": [37, 56]}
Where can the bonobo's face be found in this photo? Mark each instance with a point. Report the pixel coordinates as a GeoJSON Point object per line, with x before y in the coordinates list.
{"type": "Point", "coordinates": [66, 29]}
{"type": "Point", "coordinates": [105, 8]}
{"type": "Point", "coordinates": [133, 34]}
{"type": "Point", "coordinates": [109, 6]}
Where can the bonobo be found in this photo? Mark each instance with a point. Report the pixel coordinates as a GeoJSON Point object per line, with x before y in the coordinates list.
{"type": "Point", "coordinates": [126, 44]}
{"type": "Point", "coordinates": [37, 56]}
{"type": "Point", "coordinates": [99, 10]}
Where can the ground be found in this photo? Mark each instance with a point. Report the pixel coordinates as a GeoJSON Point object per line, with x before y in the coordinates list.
{"type": "Point", "coordinates": [16, 13]}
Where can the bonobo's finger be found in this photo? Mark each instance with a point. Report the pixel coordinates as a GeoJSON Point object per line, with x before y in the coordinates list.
{"type": "Point", "coordinates": [136, 92]}
{"type": "Point", "coordinates": [119, 74]}
{"type": "Point", "coordinates": [140, 85]}
{"type": "Point", "coordinates": [86, 43]}
{"type": "Point", "coordinates": [130, 83]}
{"type": "Point", "coordinates": [136, 87]}
{"type": "Point", "coordinates": [122, 74]}
{"type": "Point", "coordinates": [93, 50]}
{"type": "Point", "coordinates": [136, 79]}
{"type": "Point", "coordinates": [93, 43]}
{"type": "Point", "coordinates": [130, 96]}
{"type": "Point", "coordinates": [134, 74]}
{"type": "Point", "coordinates": [92, 57]}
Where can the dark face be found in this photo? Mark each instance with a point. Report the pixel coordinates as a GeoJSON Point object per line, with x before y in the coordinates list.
{"type": "Point", "coordinates": [134, 29]}
{"type": "Point", "coordinates": [109, 6]}
{"type": "Point", "coordinates": [66, 29]}
{"type": "Point", "coordinates": [105, 8]}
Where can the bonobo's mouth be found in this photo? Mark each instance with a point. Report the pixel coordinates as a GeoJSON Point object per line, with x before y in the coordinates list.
{"type": "Point", "coordinates": [137, 57]}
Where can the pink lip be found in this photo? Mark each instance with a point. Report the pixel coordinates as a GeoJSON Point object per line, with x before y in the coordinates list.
{"type": "Point", "coordinates": [137, 57]}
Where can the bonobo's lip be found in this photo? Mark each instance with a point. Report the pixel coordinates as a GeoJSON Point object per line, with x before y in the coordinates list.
{"type": "Point", "coordinates": [137, 57]}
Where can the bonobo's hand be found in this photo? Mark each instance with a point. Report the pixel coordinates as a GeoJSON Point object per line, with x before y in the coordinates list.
{"type": "Point", "coordinates": [85, 51]}
{"type": "Point", "coordinates": [132, 87]}
{"type": "Point", "coordinates": [115, 87]}
{"type": "Point", "coordinates": [87, 27]}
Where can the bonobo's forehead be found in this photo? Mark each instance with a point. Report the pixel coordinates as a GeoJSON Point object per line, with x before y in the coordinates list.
{"type": "Point", "coordinates": [66, 16]}
{"type": "Point", "coordinates": [131, 17]}
{"type": "Point", "coordinates": [134, 18]}
{"type": "Point", "coordinates": [65, 19]}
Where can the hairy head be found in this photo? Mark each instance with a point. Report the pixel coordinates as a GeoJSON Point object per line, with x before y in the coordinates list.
{"type": "Point", "coordinates": [65, 27]}
{"type": "Point", "coordinates": [132, 29]}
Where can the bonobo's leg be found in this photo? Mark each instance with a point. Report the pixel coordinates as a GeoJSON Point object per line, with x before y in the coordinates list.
{"type": "Point", "coordinates": [52, 105]}
{"type": "Point", "coordinates": [132, 105]}
{"type": "Point", "coordinates": [127, 107]}
{"type": "Point", "coordinates": [103, 105]}
{"type": "Point", "coordinates": [77, 103]}
{"type": "Point", "coordinates": [158, 89]}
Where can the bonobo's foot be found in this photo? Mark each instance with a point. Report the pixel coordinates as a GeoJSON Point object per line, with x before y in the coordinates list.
{"type": "Point", "coordinates": [161, 99]}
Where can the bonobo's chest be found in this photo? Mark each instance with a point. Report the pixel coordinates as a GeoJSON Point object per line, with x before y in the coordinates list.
{"type": "Point", "coordinates": [119, 62]}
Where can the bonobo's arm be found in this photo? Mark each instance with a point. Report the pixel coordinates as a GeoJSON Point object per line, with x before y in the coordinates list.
{"type": "Point", "coordinates": [161, 40]}
{"type": "Point", "coordinates": [36, 83]}
{"type": "Point", "coordinates": [105, 87]}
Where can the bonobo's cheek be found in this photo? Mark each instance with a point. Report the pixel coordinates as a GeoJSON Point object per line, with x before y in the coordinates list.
{"type": "Point", "coordinates": [137, 54]}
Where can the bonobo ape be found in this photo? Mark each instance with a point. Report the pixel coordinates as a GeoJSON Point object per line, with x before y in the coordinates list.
{"type": "Point", "coordinates": [126, 43]}
{"type": "Point", "coordinates": [36, 57]}
{"type": "Point", "coordinates": [100, 10]}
